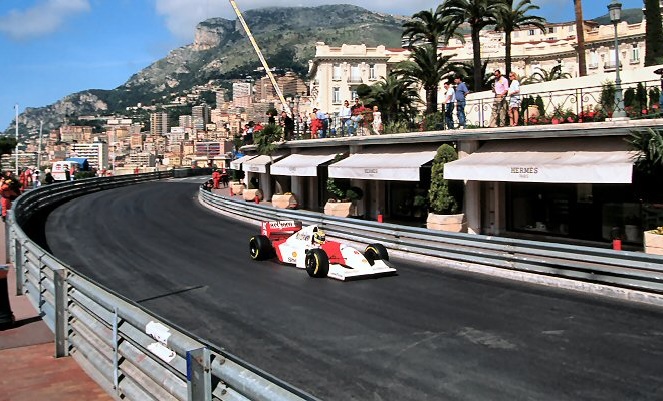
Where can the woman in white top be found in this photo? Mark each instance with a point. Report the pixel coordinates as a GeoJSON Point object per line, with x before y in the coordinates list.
{"type": "Point", "coordinates": [514, 100]}
{"type": "Point", "coordinates": [377, 121]}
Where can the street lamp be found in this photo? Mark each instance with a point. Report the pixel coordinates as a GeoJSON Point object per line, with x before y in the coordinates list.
{"type": "Point", "coordinates": [615, 10]}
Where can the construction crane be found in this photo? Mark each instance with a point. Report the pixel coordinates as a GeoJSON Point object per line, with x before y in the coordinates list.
{"type": "Point", "coordinates": [262, 58]}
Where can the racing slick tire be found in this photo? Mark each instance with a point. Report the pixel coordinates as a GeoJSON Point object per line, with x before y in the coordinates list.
{"type": "Point", "coordinates": [260, 247]}
{"type": "Point", "coordinates": [375, 252]}
{"type": "Point", "coordinates": [317, 263]}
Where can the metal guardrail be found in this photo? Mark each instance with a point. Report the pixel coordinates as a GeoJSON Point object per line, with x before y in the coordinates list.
{"type": "Point", "coordinates": [632, 270]}
{"type": "Point", "coordinates": [137, 354]}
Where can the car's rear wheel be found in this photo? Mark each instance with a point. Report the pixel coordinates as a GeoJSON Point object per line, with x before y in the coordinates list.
{"type": "Point", "coordinates": [260, 247]}
{"type": "Point", "coordinates": [317, 263]}
{"type": "Point", "coordinates": [375, 252]}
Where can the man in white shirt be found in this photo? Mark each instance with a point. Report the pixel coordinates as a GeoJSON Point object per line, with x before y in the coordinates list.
{"type": "Point", "coordinates": [449, 101]}
{"type": "Point", "coordinates": [344, 114]}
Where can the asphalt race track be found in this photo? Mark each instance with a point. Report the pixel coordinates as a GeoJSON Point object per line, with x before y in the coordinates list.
{"type": "Point", "coordinates": [426, 334]}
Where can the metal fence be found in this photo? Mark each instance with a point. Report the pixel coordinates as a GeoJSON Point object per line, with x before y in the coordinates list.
{"type": "Point", "coordinates": [586, 104]}
{"type": "Point", "coordinates": [138, 355]}
{"type": "Point", "coordinates": [620, 269]}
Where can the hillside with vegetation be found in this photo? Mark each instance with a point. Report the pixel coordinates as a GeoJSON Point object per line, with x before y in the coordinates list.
{"type": "Point", "coordinates": [222, 52]}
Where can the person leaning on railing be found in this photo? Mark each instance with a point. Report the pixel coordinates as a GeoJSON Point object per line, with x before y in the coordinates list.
{"type": "Point", "coordinates": [460, 92]}
{"type": "Point", "coordinates": [498, 113]}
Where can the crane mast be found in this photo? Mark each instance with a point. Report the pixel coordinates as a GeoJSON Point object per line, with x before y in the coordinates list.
{"type": "Point", "coordinates": [261, 57]}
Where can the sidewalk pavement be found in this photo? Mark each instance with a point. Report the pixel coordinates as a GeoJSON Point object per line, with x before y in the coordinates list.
{"type": "Point", "coordinates": [28, 368]}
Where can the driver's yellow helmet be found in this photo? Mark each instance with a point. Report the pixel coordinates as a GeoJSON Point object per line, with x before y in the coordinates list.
{"type": "Point", "coordinates": [319, 237]}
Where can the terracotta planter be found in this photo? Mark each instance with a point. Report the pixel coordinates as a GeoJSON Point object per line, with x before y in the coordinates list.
{"type": "Point", "coordinates": [250, 194]}
{"type": "Point", "coordinates": [653, 243]}
{"type": "Point", "coordinates": [340, 209]}
{"type": "Point", "coordinates": [455, 223]}
{"type": "Point", "coordinates": [284, 201]}
{"type": "Point", "coordinates": [236, 189]}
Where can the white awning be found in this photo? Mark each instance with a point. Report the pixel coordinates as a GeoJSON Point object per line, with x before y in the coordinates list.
{"type": "Point", "coordinates": [237, 163]}
{"type": "Point", "coordinates": [561, 160]}
{"type": "Point", "coordinates": [300, 164]}
{"type": "Point", "coordinates": [393, 165]}
{"type": "Point", "coordinates": [259, 164]}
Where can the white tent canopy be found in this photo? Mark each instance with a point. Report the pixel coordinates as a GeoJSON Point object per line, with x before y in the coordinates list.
{"type": "Point", "coordinates": [237, 163]}
{"type": "Point", "coordinates": [300, 164]}
{"type": "Point", "coordinates": [560, 160]}
{"type": "Point", "coordinates": [259, 164]}
{"type": "Point", "coordinates": [386, 165]}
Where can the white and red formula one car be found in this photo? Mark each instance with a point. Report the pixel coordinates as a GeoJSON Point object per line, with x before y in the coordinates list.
{"type": "Point", "coordinates": [307, 248]}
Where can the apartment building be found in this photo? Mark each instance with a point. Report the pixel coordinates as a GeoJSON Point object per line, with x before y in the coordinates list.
{"type": "Point", "coordinates": [96, 153]}
{"type": "Point", "coordinates": [339, 70]}
{"type": "Point", "coordinates": [158, 123]}
{"type": "Point", "coordinates": [201, 116]}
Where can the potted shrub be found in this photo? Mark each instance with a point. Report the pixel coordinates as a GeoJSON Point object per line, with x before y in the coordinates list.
{"type": "Point", "coordinates": [252, 191]}
{"type": "Point", "coordinates": [443, 196]}
{"type": "Point", "coordinates": [343, 200]}
{"type": "Point", "coordinates": [284, 201]}
{"type": "Point", "coordinates": [654, 241]}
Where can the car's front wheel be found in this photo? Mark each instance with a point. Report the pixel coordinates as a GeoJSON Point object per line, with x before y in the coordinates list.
{"type": "Point", "coordinates": [260, 247]}
{"type": "Point", "coordinates": [375, 252]}
{"type": "Point", "coordinates": [317, 263]}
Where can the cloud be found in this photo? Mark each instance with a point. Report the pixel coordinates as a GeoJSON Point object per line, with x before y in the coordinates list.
{"type": "Point", "coordinates": [45, 17]}
{"type": "Point", "coordinates": [182, 16]}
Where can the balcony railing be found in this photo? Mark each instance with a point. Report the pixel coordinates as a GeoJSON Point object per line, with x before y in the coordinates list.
{"type": "Point", "coordinates": [355, 80]}
{"type": "Point", "coordinates": [610, 66]}
{"type": "Point", "coordinates": [577, 105]}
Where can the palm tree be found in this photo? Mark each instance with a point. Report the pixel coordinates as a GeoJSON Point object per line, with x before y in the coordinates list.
{"type": "Point", "coordinates": [477, 13]}
{"type": "Point", "coordinates": [425, 27]}
{"type": "Point", "coordinates": [428, 69]}
{"type": "Point", "coordinates": [395, 96]}
{"type": "Point", "coordinates": [580, 33]}
{"type": "Point", "coordinates": [510, 19]}
{"type": "Point", "coordinates": [542, 75]}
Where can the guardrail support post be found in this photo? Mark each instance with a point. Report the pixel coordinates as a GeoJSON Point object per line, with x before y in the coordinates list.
{"type": "Point", "coordinates": [199, 375]}
{"type": "Point", "coordinates": [7, 243]}
{"type": "Point", "coordinates": [60, 281]}
{"type": "Point", "coordinates": [18, 265]}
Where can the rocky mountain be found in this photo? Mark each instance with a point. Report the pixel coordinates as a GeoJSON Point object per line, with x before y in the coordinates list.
{"type": "Point", "coordinates": [221, 51]}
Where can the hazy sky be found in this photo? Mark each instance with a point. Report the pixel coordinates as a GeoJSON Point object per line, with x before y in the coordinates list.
{"type": "Point", "coordinates": [51, 48]}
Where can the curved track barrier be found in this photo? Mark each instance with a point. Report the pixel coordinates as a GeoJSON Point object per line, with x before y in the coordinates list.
{"type": "Point", "coordinates": [627, 275]}
{"type": "Point", "coordinates": [128, 350]}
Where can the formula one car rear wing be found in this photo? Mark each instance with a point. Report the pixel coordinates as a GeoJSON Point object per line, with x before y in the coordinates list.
{"type": "Point", "coordinates": [271, 229]}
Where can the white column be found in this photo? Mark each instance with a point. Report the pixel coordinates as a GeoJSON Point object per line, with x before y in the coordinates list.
{"type": "Point", "coordinates": [297, 188]}
{"type": "Point", "coordinates": [472, 195]}
{"type": "Point", "coordinates": [265, 186]}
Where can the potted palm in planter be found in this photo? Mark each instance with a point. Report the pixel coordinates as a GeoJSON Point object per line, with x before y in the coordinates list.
{"type": "Point", "coordinates": [443, 197]}
{"type": "Point", "coordinates": [654, 241]}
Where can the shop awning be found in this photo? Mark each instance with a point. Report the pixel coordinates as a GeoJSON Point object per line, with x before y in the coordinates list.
{"type": "Point", "coordinates": [301, 165]}
{"type": "Point", "coordinates": [259, 164]}
{"type": "Point", "coordinates": [562, 160]}
{"type": "Point", "coordinates": [393, 165]}
{"type": "Point", "coordinates": [237, 163]}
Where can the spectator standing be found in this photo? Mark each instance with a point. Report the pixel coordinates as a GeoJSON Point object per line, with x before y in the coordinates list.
{"type": "Point", "coordinates": [449, 100]}
{"type": "Point", "coordinates": [500, 89]}
{"type": "Point", "coordinates": [10, 189]}
{"type": "Point", "coordinates": [514, 99]}
{"type": "Point", "coordinates": [460, 93]}
{"type": "Point", "coordinates": [225, 179]}
{"type": "Point", "coordinates": [324, 123]}
{"type": "Point", "coordinates": [345, 114]}
{"type": "Point", "coordinates": [37, 175]}
{"type": "Point", "coordinates": [377, 120]}
{"type": "Point", "coordinates": [48, 177]}
{"type": "Point", "coordinates": [315, 123]}
{"type": "Point", "coordinates": [216, 178]}
{"type": "Point", "coordinates": [288, 125]}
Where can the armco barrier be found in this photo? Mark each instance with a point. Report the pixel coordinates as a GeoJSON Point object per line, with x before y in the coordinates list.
{"type": "Point", "coordinates": [131, 352]}
{"type": "Point", "coordinates": [615, 271]}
